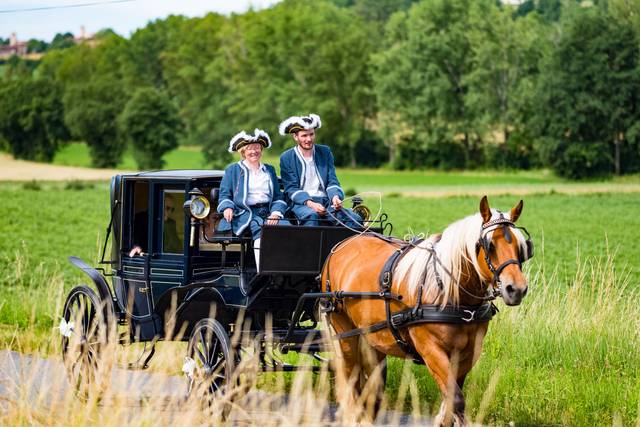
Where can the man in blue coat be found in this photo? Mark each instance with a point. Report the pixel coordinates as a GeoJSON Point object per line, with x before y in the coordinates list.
{"type": "Point", "coordinates": [309, 176]}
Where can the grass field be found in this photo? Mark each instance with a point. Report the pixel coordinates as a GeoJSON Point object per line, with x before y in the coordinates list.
{"type": "Point", "coordinates": [567, 356]}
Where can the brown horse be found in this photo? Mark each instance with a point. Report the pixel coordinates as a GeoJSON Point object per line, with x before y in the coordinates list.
{"type": "Point", "coordinates": [472, 261]}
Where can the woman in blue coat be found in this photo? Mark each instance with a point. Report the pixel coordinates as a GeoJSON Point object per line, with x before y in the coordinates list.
{"type": "Point", "coordinates": [250, 195]}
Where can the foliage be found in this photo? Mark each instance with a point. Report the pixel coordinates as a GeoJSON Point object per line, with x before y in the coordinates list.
{"type": "Point", "coordinates": [91, 110]}
{"type": "Point", "coordinates": [547, 10]}
{"type": "Point", "coordinates": [62, 41]}
{"type": "Point", "coordinates": [270, 66]}
{"type": "Point", "coordinates": [37, 46]}
{"type": "Point", "coordinates": [501, 82]}
{"type": "Point", "coordinates": [151, 124]}
{"type": "Point", "coordinates": [31, 118]}
{"type": "Point", "coordinates": [430, 84]}
{"type": "Point", "coordinates": [589, 95]}
{"type": "Point", "coordinates": [419, 78]}
{"type": "Point", "coordinates": [94, 95]}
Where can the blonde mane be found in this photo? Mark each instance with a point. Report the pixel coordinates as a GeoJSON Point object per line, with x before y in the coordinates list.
{"type": "Point", "coordinates": [454, 247]}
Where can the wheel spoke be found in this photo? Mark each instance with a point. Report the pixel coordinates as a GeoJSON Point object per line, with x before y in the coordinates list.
{"type": "Point", "coordinates": [214, 349]}
{"type": "Point", "coordinates": [201, 356]}
{"type": "Point", "coordinates": [205, 343]}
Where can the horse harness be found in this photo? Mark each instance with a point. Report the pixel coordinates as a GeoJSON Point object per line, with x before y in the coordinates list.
{"type": "Point", "coordinates": [430, 313]}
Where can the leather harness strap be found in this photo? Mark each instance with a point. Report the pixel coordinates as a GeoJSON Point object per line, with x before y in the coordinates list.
{"type": "Point", "coordinates": [457, 315]}
{"type": "Point", "coordinates": [386, 280]}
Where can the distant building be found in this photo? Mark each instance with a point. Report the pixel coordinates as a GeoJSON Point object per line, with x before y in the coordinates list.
{"type": "Point", "coordinates": [13, 48]}
{"type": "Point", "coordinates": [20, 48]}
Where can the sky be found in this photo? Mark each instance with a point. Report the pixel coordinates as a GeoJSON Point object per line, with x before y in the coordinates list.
{"type": "Point", "coordinates": [122, 16]}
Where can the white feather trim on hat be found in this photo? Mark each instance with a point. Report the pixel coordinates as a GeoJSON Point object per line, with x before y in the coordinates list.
{"type": "Point", "coordinates": [315, 121]}
{"type": "Point", "coordinates": [258, 134]}
{"type": "Point", "coordinates": [242, 135]}
{"type": "Point", "coordinates": [312, 121]}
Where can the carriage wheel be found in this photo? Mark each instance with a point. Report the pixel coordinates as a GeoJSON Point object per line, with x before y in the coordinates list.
{"type": "Point", "coordinates": [84, 335]}
{"type": "Point", "coordinates": [210, 363]}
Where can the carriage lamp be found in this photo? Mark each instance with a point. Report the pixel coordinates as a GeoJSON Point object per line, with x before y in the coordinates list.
{"type": "Point", "coordinates": [198, 207]}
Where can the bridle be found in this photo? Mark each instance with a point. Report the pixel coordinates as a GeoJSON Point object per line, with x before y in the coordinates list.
{"type": "Point", "coordinates": [485, 243]}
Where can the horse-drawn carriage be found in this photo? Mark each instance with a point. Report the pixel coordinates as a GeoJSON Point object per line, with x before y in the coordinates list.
{"type": "Point", "coordinates": [191, 282]}
{"type": "Point", "coordinates": [428, 300]}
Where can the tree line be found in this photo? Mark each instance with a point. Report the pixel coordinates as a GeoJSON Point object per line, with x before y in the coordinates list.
{"type": "Point", "coordinates": [412, 84]}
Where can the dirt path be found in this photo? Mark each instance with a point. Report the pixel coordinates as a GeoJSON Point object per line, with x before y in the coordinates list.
{"type": "Point", "coordinates": [20, 170]}
{"type": "Point", "coordinates": [42, 384]}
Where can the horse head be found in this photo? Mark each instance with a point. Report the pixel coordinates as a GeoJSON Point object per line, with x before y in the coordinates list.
{"type": "Point", "coordinates": [501, 249]}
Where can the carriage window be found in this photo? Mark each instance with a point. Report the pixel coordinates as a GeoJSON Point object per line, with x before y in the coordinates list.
{"type": "Point", "coordinates": [173, 222]}
{"type": "Point", "coordinates": [140, 224]}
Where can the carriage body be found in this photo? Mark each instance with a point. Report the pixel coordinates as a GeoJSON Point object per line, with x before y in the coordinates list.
{"type": "Point", "coordinates": [190, 276]}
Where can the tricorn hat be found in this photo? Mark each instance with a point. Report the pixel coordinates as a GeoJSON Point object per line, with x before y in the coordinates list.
{"type": "Point", "coordinates": [294, 124]}
{"type": "Point", "coordinates": [242, 138]}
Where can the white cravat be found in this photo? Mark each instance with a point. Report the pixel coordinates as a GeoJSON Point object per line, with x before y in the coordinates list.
{"type": "Point", "coordinates": [259, 190]}
{"type": "Point", "coordinates": [311, 180]}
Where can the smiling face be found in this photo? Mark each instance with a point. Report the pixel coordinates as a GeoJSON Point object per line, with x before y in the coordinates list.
{"type": "Point", "coordinates": [305, 139]}
{"type": "Point", "coordinates": [252, 152]}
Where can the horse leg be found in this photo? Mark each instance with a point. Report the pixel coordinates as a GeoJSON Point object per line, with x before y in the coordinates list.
{"type": "Point", "coordinates": [443, 370]}
{"type": "Point", "coordinates": [345, 365]}
{"type": "Point", "coordinates": [372, 378]}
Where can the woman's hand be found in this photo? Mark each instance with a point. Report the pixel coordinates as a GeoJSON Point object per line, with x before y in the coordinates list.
{"type": "Point", "coordinates": [273, 220]}
{"type": "Point", "coordinates": [228, 214]}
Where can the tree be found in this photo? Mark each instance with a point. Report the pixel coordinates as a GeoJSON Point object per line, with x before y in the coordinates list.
{"type": "Point", "coordinates": [91, 110]}
{"type": "Point", "coordinates": [420, 85]}
{"type": "Point", "coordinates": [151, 124]}
{"type": "Point", "coordinates": [589, 95]}
{"type": "Point", "coordinates": [501, 81]}
{"type": "Point", "coordinates": [62, 41]}
{"type": "Point", "coordinates": [37, 46]}
{"type": "Point", "coordinates": [143, 54]}
{"type": "Point", "coordinates": [202, 97]}
{"type": "Point", "coordinates": [31, 118]}
{"type": "Point", "coordinates": [279, 62]}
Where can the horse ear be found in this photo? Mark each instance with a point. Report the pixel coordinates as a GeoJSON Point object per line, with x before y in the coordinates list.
{"type": "Point", "coordinates": [485, 210]}
{"type": "Point", "coordinates": [516, 211]}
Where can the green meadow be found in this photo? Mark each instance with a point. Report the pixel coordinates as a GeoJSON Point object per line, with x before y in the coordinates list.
{"type": "Point", "coordinates": [567, 356]}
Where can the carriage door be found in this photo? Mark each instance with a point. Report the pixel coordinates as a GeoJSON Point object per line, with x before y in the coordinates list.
{"type": "Point", "coordinates": [133, 293]}
{"type": "Point", "coordinates": [167, 262]}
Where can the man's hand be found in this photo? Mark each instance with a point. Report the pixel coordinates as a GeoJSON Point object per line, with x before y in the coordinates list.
{"type": "Point", "coordinates": [336, 203]}
{"type": "Point", "coordinates": [273, 219]}
{"type": "Point", "coordinates": [136, 250]}
{"type": "Point", "coordinates": [316, 207]}
{"type": "Point", "coordinates": [228, 214]}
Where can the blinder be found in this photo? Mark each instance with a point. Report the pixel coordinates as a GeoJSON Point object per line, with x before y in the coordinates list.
{"type": "Point", "coordinates": [485, 243]}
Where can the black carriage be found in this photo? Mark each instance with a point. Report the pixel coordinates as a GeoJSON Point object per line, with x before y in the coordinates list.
{"type": "Point", "coordinates": [192, 283]}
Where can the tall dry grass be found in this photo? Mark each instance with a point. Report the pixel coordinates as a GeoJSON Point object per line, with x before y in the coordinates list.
{"type": "Point", "coordinates": [566, 356]}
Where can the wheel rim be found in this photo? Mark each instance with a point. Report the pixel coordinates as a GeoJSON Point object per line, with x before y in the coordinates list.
{"type": "Point", "coordinates": [81, 350]}
{"type": "Point", "coordinates": [211, 358]}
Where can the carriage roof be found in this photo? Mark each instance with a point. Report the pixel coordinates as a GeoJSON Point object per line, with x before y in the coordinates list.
{"type": "Point", "coordinates": [187, 174]}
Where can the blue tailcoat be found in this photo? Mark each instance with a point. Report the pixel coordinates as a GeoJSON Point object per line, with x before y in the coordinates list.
{"type": "Point", "coordinates": [292, 171]}
{"type": "Point", "coordinates": [233, 194]}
